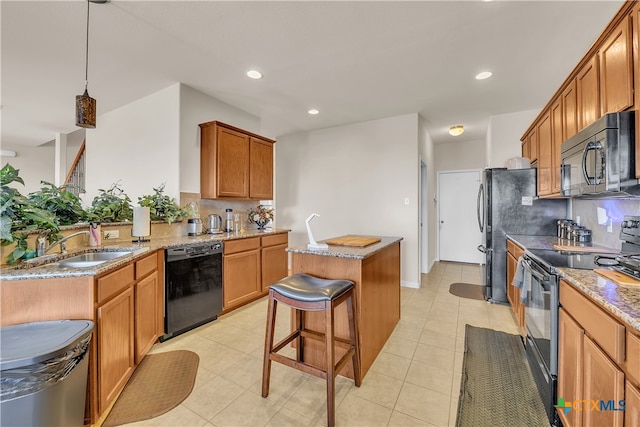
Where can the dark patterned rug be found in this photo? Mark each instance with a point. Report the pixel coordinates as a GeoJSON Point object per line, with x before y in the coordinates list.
{"type": "Point", "coordinates": [497, 387]}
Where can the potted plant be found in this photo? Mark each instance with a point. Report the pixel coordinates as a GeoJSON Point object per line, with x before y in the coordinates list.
{"type": "Point", "coordinates": [111, 205]}
{"type": "Point", "coordinates": [161, 206]}
{"type": "Point", "coordinates": [64, 204]}
{"type": "Point", "coordinates": [260, 216]}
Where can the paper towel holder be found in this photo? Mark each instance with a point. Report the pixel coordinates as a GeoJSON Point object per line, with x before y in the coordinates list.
{"type": "Point", "coordinates": [141, 224]}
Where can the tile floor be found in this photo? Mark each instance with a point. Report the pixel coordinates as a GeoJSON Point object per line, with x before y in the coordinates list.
{"type": "Point", "coordinates": [414, 381]}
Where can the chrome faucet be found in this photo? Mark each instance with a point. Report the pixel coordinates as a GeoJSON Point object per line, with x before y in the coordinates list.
{"type": "Point", "coordinates": [63, 242]}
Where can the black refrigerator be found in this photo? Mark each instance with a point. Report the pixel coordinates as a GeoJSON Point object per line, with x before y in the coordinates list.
{"type": "Point", "coordinates": [508, 204]}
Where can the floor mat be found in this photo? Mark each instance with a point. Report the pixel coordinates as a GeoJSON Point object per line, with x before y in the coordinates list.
{"type": "Point", "coordinates": [467, 290]}
{"type": "Point", "coordinates": [160, 383]}
{"type": "Point", "coordinates": [497, 387]}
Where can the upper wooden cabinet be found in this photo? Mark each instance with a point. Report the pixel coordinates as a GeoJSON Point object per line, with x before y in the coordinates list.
{"type": "Point", "coordinates": [557, 137]}
{"type": "Point", "coordinates": [234, 164]}
{"type": "Point", "coordinates": [569, 111]}
{"type": "Point", "coordinates": [530, 146]}
{"type": "Point", "coordinates": [616, 69]}
{"type": "Point", "coordinates": [543, 130]}
{"type": "Point", "coordinates": [587, 88]}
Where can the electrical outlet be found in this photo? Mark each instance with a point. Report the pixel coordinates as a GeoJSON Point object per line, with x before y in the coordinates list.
{"type": "Point", "coordinates": [110, 235]}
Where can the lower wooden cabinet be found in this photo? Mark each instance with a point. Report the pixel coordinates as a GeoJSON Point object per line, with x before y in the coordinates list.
{"type": "Point", "coordinates": [274, 259]}
{"type": "Point", "coordinates": [599, 390]}
{"type": "Point", "coordinates": [146, 314]}
{"type": "Point", "coordinates": [241, 272]}
{"type": "Point", "coordinates": [514, 252]}
{"type": "Point", "coordinates": [115, 337]}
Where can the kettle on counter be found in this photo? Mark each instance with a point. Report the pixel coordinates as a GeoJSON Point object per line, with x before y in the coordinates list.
{"type": "Point", "coordinates": [214, 224]}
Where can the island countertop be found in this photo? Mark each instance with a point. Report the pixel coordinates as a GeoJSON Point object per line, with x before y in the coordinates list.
{"type": "Point", "coordinates": [347, 251]}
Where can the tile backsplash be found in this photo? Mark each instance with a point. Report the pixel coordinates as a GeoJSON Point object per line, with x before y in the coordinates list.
{"type": "Point", "coordinates": [616, 209]}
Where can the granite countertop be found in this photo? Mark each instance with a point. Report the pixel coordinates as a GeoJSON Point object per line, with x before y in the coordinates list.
{"type": "Point", "coordinates": [622, 301]}
{"type": "Point", "coordinates": [348, 251]}
{"type": "Point", "coordinates": [47, 268]}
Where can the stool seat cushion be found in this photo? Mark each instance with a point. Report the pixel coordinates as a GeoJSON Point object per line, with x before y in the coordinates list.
{"type": "Point", "coordinates": [303, 287]}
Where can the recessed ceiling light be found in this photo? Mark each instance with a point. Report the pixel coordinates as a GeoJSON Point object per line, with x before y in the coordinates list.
{"type": "Point", "coordinates": [483, 75]}
{"type": "Point", "coordinates": [254, 74]}
{"type": "Point", "coordinates": [456, 130]}
{"type": "Point", "coordinates": [313, 112]}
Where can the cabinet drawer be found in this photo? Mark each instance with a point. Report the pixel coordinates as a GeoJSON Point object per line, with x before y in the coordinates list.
{"type": "Point", "coordinates": [278, 239]}
{"type": "Point", "coordinates": [633, 356]}
{"type": "Point", "coordinates": [604, 330]}
{"type": "Point", "coordinates": [113, 283]}
{"type": "Point", "coordinates": [514, 249]}
{"type": "Point", "coordinates": [241, 245]}
{"type": "Point", "coordinates": [146, 265]}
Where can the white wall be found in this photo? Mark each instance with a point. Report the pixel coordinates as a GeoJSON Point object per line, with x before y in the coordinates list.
{"type": "Point", "coordinates": [429, 231]}
{"type": "Point", "coordinates": [356, 178]}
{"type": "Point", "coordinates": [503, 136]}
{"type": "Point", "coordinates": [459, 155]}
{"type": "Point", "coordinates": [138, 145]}
{"type": "Point", "coordinates": [35, 164]}
{"type": "Point", "coordinates": [196, 108]}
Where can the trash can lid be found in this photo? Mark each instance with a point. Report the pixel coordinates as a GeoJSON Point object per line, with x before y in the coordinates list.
{"type": "Point", "coordinates": [30, 343]}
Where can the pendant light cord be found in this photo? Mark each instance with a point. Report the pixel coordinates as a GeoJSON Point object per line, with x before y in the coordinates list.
{"type": "Point", "coordinates": [86, 63]}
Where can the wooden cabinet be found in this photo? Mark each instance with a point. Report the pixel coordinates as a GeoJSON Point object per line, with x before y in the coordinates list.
{"type": "Point", "coordinates": [116, 360]}
{"type": "Point", "coordinates": [543, 130]}
{"type": "Point", "coordinates": [234, 164]}
{"type": "Point", "coordinates": [241, 272]}
{"type": "Point", "coordinates": [595, 373]}
{"type": "Point", "coordinates": [146, 312]}
{"type": "Point", "coordinates": [587, 84]}
{"type": "Point", "coordinates": [602, 381]}
{"type": "Point", "coordinates": [616, 69]}
{"type": "Point", "coordinates": [514, 252]}
{"type": "Point", "coordinates": [569, 110]}
{"type": "Point", "coordinates": [557, 137]}
{"type": "Point", "coordinates": [275, 264]}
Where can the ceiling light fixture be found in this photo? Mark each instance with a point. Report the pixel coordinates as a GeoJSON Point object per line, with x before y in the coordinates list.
{"type": "Point", "coordinates": [254, 74]}
{"type": "Point", "coordinates": [483, 75]}
{"type": "Point", "coordinates": [456, 130]}
{"type": "Point", "coordinates": [86, 105]}
{"type": "Point", "coordinates": [313, 112]}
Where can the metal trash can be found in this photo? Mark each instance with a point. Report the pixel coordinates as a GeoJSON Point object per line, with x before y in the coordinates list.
{"type": "Point", "coordinates": [43, 373]}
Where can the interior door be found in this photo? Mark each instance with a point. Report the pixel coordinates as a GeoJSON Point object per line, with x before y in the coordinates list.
{"type": "Point", "coordinates": [459, 234]}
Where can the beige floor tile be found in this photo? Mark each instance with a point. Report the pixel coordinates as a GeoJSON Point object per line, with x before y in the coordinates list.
{"type": "Point", "coordinates": [435, 356]}
{"type": "Point", "coordinates": [245, 372]}
{"type": "Point", "coordinates": [391, 365]}
{"type": "Point", "coordinates": [398, 419]}
{"type": "Point", "coordinates": [431, 377]}
{"type": "Point", "coordinates": [448, 326]}
{"type": "Point", "coordinates": [208, 400]}
{"type": "Point", "coordinates": [400, 347]}
{"type": "Point", "coordinates": [246, 410]}
{"type": "Point", "coordinates": [180, 416]}
{"type": "Point", "coordinates": [379, 389]}
{"type": "Point", "coordinates": [283, 383]}
{"type": "Point", "coordinates": [424, 404]}
{"type": "Point", "coordinates": [310, 399]}
{"type": "Point", "coordinates": [354, 411]}
{"type": "Point", "coordinates": [407, 331]}
{"type": "Point", "coordinates": [287, 418]}
{"type": "Point", "coordinates": [438, 339]}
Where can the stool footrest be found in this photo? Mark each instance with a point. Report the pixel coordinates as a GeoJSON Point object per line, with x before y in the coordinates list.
{"type": "Point", "coordinates": [343, 361]}
{"type": "Point", "coordinates": [312, 370]}
{"type": "Point", "coordinates": [342, 342]}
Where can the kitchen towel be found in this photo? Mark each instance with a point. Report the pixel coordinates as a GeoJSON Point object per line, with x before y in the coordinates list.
{"type": "Point", "coordinates": [522, 280]}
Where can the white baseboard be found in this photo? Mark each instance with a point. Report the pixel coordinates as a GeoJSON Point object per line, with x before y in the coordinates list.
{"type": "Point", "coordinates": [414, 285]}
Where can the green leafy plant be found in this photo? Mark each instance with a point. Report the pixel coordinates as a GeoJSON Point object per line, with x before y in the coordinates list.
{"type": "Point", "coordinates": [111, 205]}
{"type": "Point", "coordinates": [161, 206]}
{"type": "Point", "coordinates": [19, 215]}
{"type": "Point", "coordinates": [64, 204]}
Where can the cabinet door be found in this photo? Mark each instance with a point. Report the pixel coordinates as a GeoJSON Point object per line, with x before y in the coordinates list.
{"type": "Point", "coordinates": [241, 278]}
{"type": "Point", "coordinates": [603, 381]}
{"type": "Point", "coordinates": [570, 358]}
{"type": "Point", "coordinates": [543, 129]}
{"type": "Point", "coordinates": [261, 170]}
{"type": "Point", "coordinates": [533, 145]}
{"type": "Point", "coordinates": [232, 163]}
{"type": "Point", "coordinates": [115, 346]}
{"type": "Point", "coordinates": [511, 272]}
{"type": "Point", "coordinates": [588, 94]}
{"type": "Point", "coordinates": [146, 314]}
{"type": "Point", "coordinates": [274, 265]}
{"type": "Point", "coordinates": [616, 69]}
{"type": "Point", "coordinates": [632, 406]}
{"type": "Point", "coordinates": [569, 111]}
{"type": "Point", "coordinates": [556, 143]}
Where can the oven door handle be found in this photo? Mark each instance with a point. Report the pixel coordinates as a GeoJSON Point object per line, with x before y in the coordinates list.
{"type": "Point", "coordinates": [528, 265]}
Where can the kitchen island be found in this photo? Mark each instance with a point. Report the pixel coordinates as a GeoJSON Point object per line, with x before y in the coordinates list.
{"type": "Point", "coordinates": [375, 270]}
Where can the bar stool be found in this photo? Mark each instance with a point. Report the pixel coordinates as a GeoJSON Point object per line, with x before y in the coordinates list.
{"type": "Point", "coordinates": [303, 293]}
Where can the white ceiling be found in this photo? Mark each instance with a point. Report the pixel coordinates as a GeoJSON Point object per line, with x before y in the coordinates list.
{"type": "Point", "coordinates": [354, 61]}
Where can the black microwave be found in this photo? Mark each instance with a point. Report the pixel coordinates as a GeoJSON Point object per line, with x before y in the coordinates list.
{"type": "Point", "coordinates": [599, 161]}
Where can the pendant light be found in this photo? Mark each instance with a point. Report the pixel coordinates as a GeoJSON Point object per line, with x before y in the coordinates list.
{"type": "Point", "coordinates": [86, 105]}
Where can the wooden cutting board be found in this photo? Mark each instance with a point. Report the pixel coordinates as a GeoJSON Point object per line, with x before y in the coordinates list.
{"type": "Point", "coordinates": [592, 249]}
{"type": "Point", "coordinates": [617, 277]}
{"type": "Point", "coordinates": [355, 241]}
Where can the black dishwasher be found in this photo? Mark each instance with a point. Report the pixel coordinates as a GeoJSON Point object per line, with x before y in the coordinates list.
{"type": "Point", "coordinates": [193, 287]}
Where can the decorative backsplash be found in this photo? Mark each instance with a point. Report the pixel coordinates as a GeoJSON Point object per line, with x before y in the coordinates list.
{"type": "Point", "coordinates": [615, 209]}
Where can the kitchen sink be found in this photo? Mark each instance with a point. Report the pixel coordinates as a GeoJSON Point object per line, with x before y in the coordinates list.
{"type": "Point", "coordinates": [91, 259]}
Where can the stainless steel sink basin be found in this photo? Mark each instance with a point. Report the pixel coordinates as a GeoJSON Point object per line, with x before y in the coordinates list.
{"type": "Point", "coordinates": [91, 259]}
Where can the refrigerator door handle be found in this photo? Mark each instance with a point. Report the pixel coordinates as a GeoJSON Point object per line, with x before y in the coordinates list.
{"type": "Point", "coordinates": [479, 206]}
